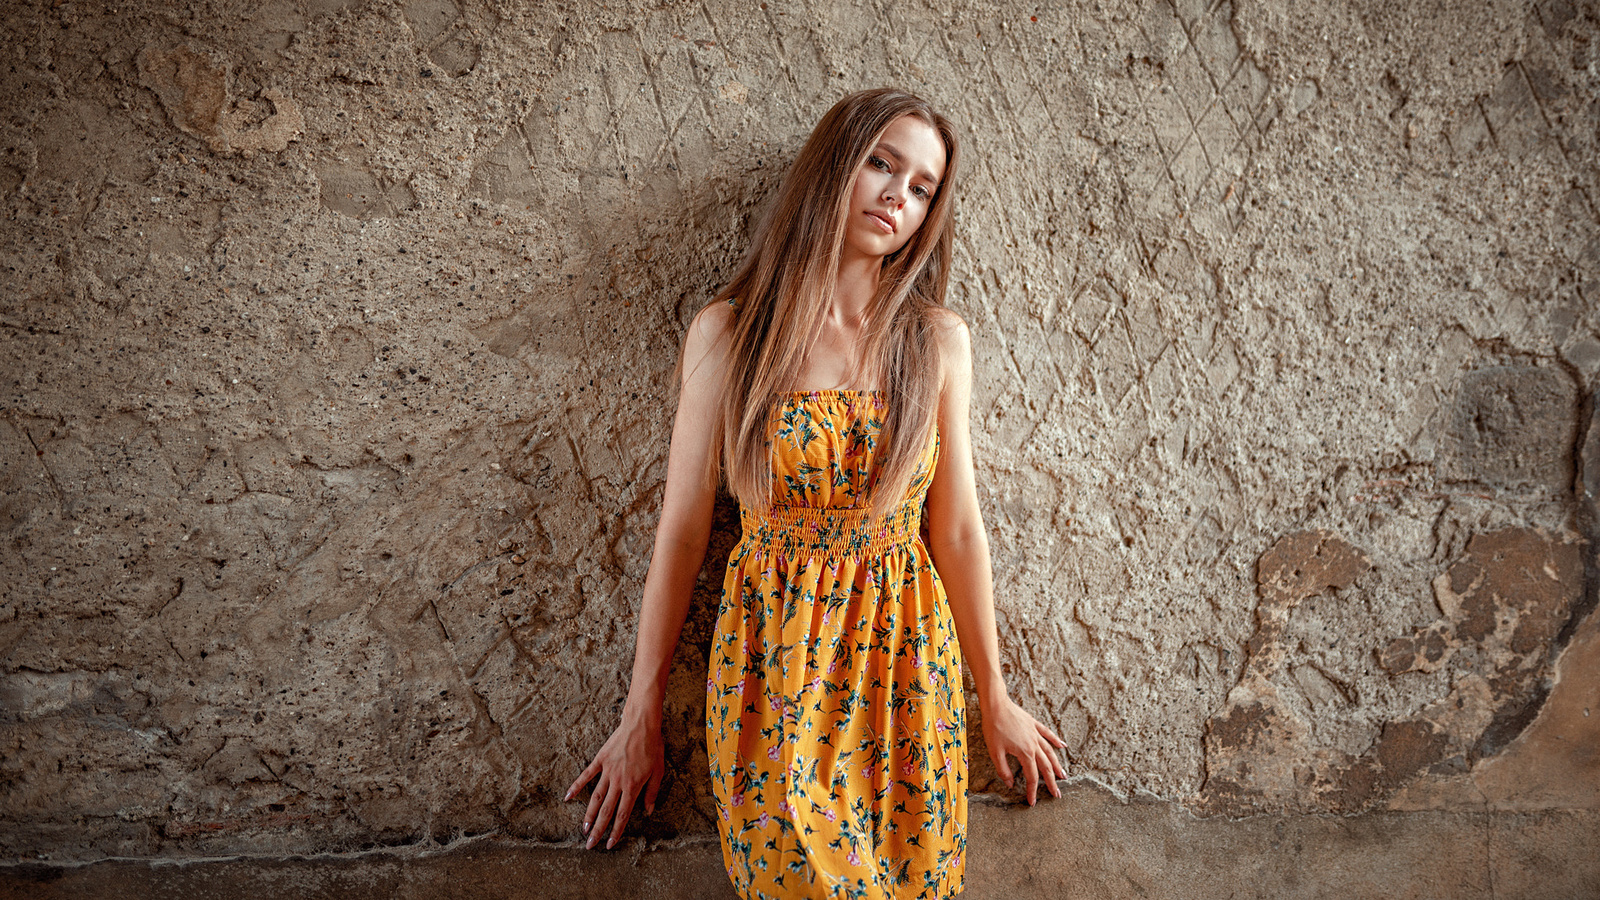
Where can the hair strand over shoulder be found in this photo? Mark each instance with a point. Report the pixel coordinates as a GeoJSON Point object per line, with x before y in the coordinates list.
{"type": "Point", "coordinates": [785, 286]}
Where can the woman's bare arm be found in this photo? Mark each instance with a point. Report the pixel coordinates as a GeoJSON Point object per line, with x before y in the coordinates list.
{"type": "Point", "coordinates": [631, 760]}
{"type": "Point", "coordinates": [961, 554]}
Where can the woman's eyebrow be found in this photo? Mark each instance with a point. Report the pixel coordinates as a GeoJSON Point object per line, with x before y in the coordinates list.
{"type": "Point", "coordinates": [889, 148]}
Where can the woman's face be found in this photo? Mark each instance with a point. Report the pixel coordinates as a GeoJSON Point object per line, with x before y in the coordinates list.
{"type": "Point", "coordinates": [894, 188]}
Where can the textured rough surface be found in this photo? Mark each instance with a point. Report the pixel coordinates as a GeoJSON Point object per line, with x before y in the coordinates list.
{"type": "Point", "coordinates": [1554, 762]}
{"type": "Point", "coordinates": [1102, 848]}
{"type": "Point", "coordinates": [1502, 603]}
{"type": "Point", "coordinates": [336, 344]}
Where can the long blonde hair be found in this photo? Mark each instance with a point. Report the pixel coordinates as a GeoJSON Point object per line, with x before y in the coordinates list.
{"type": "Point", "coordinates": [785, 286]}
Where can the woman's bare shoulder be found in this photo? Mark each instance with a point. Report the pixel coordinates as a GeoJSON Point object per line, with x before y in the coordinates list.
{"type": "Point", "coordinates": [705, 347]}
{"type": "Point", "coordinates": [714, 321]}
{"type": "Point", "coordinates": [950, 331]}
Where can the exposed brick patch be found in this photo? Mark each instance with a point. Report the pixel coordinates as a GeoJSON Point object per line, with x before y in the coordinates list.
{"type": "Point", "coordinates": [1403, 751]}
{"type": "Point", "coordinates": [1256, 747]}
{"type": "Point", "coordinates": [1305, 564]}
{"type": "Point", "coordinates": [1504, 601]}
{"type": "Point", "coordinates": [195, 87]}
{"type": "Point", "coordinates": [1423, 651]}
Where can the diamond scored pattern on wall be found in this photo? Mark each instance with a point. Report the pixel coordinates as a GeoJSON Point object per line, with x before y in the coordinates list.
{"type": "Point", "coordinates": [1207, 113]}
{"type": "Point", "coordinates": [1521, 116]}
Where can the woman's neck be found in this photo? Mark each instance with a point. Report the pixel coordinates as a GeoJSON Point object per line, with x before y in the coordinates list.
{"type": "Point", "coordinates": [832, 360]}
{"type": "Point", "coordinates": [854, 287]}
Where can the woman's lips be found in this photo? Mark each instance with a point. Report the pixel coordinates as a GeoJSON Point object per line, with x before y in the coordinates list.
{"type": "Point", "coordinates": [883, 221]}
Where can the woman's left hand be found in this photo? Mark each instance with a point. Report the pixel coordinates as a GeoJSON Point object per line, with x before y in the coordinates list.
{"type": "Point", "coordinates": [1008, 729]}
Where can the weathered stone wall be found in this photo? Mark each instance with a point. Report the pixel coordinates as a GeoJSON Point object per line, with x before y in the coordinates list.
{"type": "Point", "coordinates": [337, 348]}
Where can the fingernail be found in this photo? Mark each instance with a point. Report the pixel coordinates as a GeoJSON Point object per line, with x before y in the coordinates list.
{"type": "Point", "coordinates": [611, 843]}
{"type": "Point", "coordinates": [586, 828]}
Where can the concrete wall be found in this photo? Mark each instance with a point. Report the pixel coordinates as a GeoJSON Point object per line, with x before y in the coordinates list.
{"type": "Point", "coordinates": [337, 339]}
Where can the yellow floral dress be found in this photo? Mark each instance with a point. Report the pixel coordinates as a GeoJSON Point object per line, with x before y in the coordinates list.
{"type": "Point", "coordinates": [835, 720]}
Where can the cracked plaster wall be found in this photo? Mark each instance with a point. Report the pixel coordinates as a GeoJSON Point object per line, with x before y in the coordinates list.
{"type": "Point", "coordinates": [337, 336]}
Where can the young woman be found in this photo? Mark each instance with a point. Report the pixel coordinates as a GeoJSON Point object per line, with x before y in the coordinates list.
{"type": "Point", "coordinates": [829, 387]}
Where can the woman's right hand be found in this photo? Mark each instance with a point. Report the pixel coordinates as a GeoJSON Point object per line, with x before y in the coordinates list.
{"type": "Point", "coordinates": [629, 762]}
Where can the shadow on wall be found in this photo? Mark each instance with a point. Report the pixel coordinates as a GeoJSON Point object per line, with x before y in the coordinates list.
{"type": "Point", "coordinates": [381, 512]}
{"type": "Point", "coordinates": [589, 466]}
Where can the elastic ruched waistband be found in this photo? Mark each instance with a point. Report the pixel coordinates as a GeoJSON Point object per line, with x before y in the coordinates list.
{"type": "Point", "coordinates": [828, 531]}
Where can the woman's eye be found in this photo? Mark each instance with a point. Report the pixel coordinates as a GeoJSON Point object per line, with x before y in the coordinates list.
{"type": "Point", "coordinates": [921, 192]}
{"type": "Point", "coordinates": [878, 162]}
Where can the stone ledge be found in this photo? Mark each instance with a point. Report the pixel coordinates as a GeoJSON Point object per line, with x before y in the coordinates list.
{"type": "Point", "coordinates": [1087, 844]}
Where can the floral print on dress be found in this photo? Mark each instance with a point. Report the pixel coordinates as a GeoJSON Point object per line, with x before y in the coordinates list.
{"type": "Point", "coordinates": [835, 719]}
